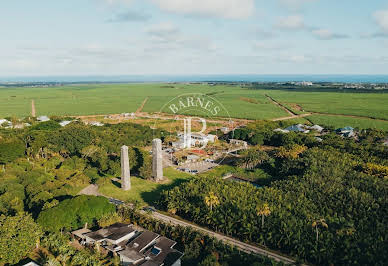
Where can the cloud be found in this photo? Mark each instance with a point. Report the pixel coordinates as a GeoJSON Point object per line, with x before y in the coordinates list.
{"type": "Point", "coordinates": [324, 34]}
{"type": "Point", "coordinates": [165, 31]}
{"type": "Point", "coordinates": [168, 37]}
{"type": "Point", "coordinates": [263, 34]}
{"type": "Point", "coordinates": [295, 4]}
{"type": "Point", "coordinates": [296, 23]}
{"type": "Point", "coordinates": [234, 9]}
{"type": "Point", "coordinates": [381, 18]}
{"type": "Point", "coordinates": [268, 46]}
{"type": "Point", "coordinates": [293, 23]}
{"type": "Point", "coordinates": [129, 16]}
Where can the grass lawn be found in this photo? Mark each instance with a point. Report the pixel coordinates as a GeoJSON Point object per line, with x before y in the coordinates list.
{"type": "Point", "coordinates": [143, 191]}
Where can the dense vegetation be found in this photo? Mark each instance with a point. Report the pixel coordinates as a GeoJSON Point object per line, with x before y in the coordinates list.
{"type": "Point", "coordinates": [42, 169]}
{"type": "Point", "coordinates": [74, 213]}
{"type": "Point", "coordinates": [317, 197]}
{"type": "Point", "coordinates": [324, 197]}
{"type": "Point", "coordinates": [199, 249]}
{"type": "Point", "coordinates": [19, 234]}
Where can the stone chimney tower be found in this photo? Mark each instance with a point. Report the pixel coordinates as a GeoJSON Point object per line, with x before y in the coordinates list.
{"type": "Point", "coordinates": [157, 160]}
{"type": "Point", "coordinates": [125, 171]}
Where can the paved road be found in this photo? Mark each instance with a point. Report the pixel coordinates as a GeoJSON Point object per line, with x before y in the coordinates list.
{"type": "Point", "coordinates": [228, 240]}
{"type": "Point", "coordinates": [93, 190]}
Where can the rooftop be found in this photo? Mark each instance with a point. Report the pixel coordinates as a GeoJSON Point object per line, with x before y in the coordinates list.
{"type": "Point", "coordinates": [161, 249]}
{"type": "Point", "coordinates": [142, 241]}
{"type": "Point", "coordinates": [113, 232]}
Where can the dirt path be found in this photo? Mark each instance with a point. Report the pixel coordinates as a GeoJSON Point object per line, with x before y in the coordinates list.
{"type": "Point", "coordinates": [295, 115]}
{"type": "Point", "coordinates": [289, 111]}
{"type": "Point", "coordinates": [91, 190]}
{"type": "Point", "coordinates": [292, 114]}
{"type": "Point", "coordinates": [142, 105]}
{"type": "Point", "coordinates": [291, 117]}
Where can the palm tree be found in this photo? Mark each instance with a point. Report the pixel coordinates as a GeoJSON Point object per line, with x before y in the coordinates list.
{"type": "Point", "coordinates": [251, 158]}
{"type": "Point", "coordinates": [263, 210]}
{"type": "Point", "coordinates": [316, 224]}
{"type": "Point", "coordinates": [64, 258]}
{"type": "Point", "coordinates": [211, 200]}
{"type": "Point", "coordinates": [52, 262]}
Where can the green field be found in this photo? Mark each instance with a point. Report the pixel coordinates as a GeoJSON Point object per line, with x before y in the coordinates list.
{"type": "Point", "coordinates": [111, 99]}
{"type": "Point", "coordinates": [341, 121]}
{"type": "Point", "coordinates": [240, 102]}
{"type": "Point", "coordinates": [374, 105]}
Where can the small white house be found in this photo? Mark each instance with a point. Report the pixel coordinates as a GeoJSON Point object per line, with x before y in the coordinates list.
{"type": "Point", "coordinates": [5, 123]}
{"type": "Point", "coordinates": [43, 118]}
{"type": "Point", "coordinates": [225, 130]}
{"type": "Point", "coordinates": [97, 124]}
{"type": "Point", "coordinates": [65, 123]}
{"type": "Point", "coordinates": [281, 130]}
{"type": "Point", "coordinates": [211, 138]}
{"type": "Point", "coordinates": [238, 142]}
{"type": "Point", "coordinates": [317, 128]}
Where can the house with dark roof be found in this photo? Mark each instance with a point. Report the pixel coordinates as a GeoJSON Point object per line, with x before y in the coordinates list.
{"type": "Point", "coordinates": [297, 128]}
{"type": "Point", "coordinates": [347, 132]}
{"type": "Point", "coordinates": [113, 234]}
{"type": "Point", "coordinates": [132, 245]}
{"type": "Point", "coordinates": [162, 252]}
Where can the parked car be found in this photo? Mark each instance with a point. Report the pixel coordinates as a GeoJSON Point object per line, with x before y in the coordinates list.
{"type": "Point", "coordinates": [149, 209]}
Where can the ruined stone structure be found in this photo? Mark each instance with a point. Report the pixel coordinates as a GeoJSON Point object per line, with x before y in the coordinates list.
{"type": "Point", "coordinates": [125, 171]}
{"type": "Point", "coordinates": [157, 160]}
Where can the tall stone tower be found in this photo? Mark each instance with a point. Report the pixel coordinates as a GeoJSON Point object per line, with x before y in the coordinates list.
{"type": "Point", "coordinates": [125, 171]}
{"type": "Point", "coordinates": [157, 160]}
{"type": "Point", "coordinates": [33, 110]}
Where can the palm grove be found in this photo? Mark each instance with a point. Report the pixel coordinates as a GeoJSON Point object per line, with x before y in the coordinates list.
{"type": "Point", "coordinates": [322, 202]}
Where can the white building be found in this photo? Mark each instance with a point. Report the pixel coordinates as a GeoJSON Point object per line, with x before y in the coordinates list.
{"type": "Point", "coordinates": [193, 139]}
{"type": "Point", "coordinates": [65, 123]}
{"type": "Point", "coordinates": [43, 118]}
{"type": "Point", "coordinates": [238, 142]}
{"type": "Point", "coordinates": [97, 124]}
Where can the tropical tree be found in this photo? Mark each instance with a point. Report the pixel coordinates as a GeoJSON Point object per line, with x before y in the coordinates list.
{"type": "Point", "coordinates": [263, 210]}
{"type": "Point", "coordinates": [212, 200]}
{"type": "Point", "coordinates": [251, 158]}
{"type": "Point", "coordinates": [52, 262]}
{"type": "Point", "coordinates": [319, 223]}
{"type": "Point", "coordinates": [292, 152]}
{"type": "Point", "coordinates": [18, 237]}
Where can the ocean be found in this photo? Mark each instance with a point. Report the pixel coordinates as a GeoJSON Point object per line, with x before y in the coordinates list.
{"type": "Point", "coordinates": [202, 78]}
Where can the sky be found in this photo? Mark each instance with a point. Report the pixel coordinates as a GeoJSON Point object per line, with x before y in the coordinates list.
{"type": "Point", "coordinates": [192, 37]}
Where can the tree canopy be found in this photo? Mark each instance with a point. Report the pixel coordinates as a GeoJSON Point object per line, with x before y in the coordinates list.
{"type": "Point", "coordinates": [18, 236]}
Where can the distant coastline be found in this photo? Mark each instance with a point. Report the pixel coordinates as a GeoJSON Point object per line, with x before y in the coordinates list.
{"type": "Point", "coordinates": [202, 78]}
